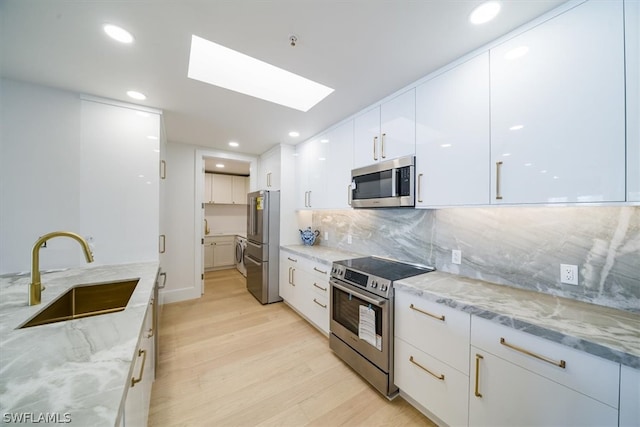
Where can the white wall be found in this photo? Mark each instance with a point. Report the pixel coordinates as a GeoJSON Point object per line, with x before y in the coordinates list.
{"type": "Point", "coordinates": [226, 218]}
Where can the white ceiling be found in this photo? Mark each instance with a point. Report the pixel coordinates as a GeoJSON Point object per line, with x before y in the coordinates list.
{"type": "Point", "coordinates": [364, 49]}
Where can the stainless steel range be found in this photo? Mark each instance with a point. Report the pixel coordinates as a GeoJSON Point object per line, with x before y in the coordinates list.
{"type": "Point", "coordinates": [362, 316]}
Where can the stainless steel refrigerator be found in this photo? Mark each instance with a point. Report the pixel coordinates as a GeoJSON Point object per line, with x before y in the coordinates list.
{"type": "Point", "coordinates": [263, 245]}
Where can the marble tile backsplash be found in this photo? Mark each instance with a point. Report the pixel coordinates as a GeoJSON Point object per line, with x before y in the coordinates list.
{"type": "Point", "coordinates": [516, 246]}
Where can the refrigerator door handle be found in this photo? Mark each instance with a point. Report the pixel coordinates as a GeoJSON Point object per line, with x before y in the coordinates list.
{"type": "Point", "coordinates": [247, 257]}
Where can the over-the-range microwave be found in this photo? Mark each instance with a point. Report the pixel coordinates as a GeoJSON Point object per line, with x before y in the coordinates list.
{"type": "Point", "coordinates": [389, 183]}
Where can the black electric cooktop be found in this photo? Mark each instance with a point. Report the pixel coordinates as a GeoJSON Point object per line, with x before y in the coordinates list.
{"type": "Point", "coordinates": [384, 268]}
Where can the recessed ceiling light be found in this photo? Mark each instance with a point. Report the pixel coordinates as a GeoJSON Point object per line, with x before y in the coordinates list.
{"type": "Point", "coordinates": [152, 137]}
{"type": "Point", "coordinates": [212, 63]}
{"type": "Point", "coordinates": [136, 95]}
{"type": "Point", "coordinates": [445, 145]}
{"type": "Point", "coordinates": [516, 127]}
{"type": "Point", "coordinates": [294, 134]}
{"type": "Point", "coordinates": [219, 165]}
{"type": "Point", "coordinates": [118, 34]}
{"type": "Point", "coordinates": [324, 141]}
{"type": "Point", "coordinates": [233, 144]}
{"type": "Point", "coordinates": [485, 12]}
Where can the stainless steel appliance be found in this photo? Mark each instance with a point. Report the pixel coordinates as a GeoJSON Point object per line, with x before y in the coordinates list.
{"type": "Point", "coordinates": [385, 184]}
{"type": "Point", "coordinates": [361, 307]}
{"type": "Point", "coordinates": [241, 244]}
{"type": "Point", "coordinates": [261, 255]}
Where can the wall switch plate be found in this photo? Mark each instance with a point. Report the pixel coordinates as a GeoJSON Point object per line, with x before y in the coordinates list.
{"type": "Point", "coordinates": [326, 236]}
{"type": "Point", "coordinates": [349, 240]}
{"type": "Point", "coordinates": [456, 256]}
{"type": "Point", "coordinates": [569, 274]}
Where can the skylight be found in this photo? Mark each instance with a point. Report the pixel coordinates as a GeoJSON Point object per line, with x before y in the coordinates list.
{"type": "Point", "coordinates": [220, 66]}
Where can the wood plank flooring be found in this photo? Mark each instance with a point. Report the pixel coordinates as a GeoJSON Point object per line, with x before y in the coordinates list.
{"type": "Point", "coordinates": [227, 360]}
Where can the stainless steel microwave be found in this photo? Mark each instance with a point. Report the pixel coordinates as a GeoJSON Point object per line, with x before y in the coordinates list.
{"type": "Point", "coordinates": [385, 184]}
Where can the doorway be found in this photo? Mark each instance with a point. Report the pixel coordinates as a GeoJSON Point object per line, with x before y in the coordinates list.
{"type": "Point", "coordinates": [219, 219]}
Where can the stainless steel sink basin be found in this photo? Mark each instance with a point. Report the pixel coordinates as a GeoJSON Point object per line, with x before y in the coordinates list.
{"type": "Point", "coordinates": [84, 301]}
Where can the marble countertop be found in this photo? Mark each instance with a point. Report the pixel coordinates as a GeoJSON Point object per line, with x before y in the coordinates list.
{"type": "Point", "coordinates": [602, 331]}
{"type": "Point", "coordinates": [79, 367]}
{"type": "Point", "coordinates": [321, 254]}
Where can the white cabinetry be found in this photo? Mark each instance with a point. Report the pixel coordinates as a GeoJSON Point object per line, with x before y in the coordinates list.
{"type": "Point", "coordinates": [324, 168]}
{"type": "Point", "coordinates": [520, 379]}
{"type": "Point", "coordinates": [452, 136]}
{"type": "Point", "coordinates": [219, 252]}
{"type": "Point", "coordinates": [632, 61]}
{"type": "Point", "coordinates": [136, 408]}
{"type": "Point", "coordinates": [119, 182]}
{"type": "Point", "coordinates": [270, 168]}
{"type": "Point", "coordinates": [304, 285]}
{"type": "Point", "coordinates": [225, 189]}
{"type": "Point", "coordinates": [558, 109]}
{"type": "Point", "coordinates": [386, 131]}
{"type": "Point", "coordinates": [432, 356]}
{"type": "Point", "coordinates": [629, 397]}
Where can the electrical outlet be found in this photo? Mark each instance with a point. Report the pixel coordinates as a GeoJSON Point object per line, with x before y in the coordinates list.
{"type": "Point", "coordinates": [456, 256]}
{"type": "Point", "coordinates": [326, 236]}
{"type": "Point", "coordinates": [349, 240]}
{"type": "Point", "coordinates": [569, 274]}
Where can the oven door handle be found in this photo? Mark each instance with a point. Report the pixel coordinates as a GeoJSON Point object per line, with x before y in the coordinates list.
{"type": "Point", "coordinates": [378, 302]}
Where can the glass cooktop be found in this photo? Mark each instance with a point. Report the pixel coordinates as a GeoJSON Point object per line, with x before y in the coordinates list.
{"type": "Point", "coordinates": [384, 268]}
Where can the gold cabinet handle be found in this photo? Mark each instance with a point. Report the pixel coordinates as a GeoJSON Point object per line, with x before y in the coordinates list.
{"type": "Point", "coordinates": [142, 353]}
{"type": "Point", "coordinates": [319, 287]}
{"type": "Point", "coordinates": [319, 271]}
{"type": "Point", "coordinates": [292, 259]}
{"type": "Point", "coordinates": [477, 391]}
{"type": "Point", "coordinates": [439, 377]}
{"type": "Point", "coordinates": [375, 152]}
{"type": "Point", "coordinates": [382, 146]}
{"type": "Point", "coordinates": [419, 187]}
{"type": "Point", "coordinates": [561, 364]}
{"type": "Point", "coordinates": [293, 279]}
{"type": "Point", "coordinates": [163, 169]}
{"type": "Point", "coordinates": [162, 243]}
{"type": "Point", "coordinates": [412, 307]}
{"type": "Point", "coordinates": [349, 194]}
{"type": "Point", "coordinates": [498, 169]}
{"type": "Point", "coordinates": [321, 305]}
{"type": "Point", "coordinates": [150, 333]}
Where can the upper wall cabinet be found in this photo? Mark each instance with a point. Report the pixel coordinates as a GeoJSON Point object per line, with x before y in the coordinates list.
{"type": "Point", "coordinates": [269, 168]}
{"type": "Point", "coordinates": [225, 189]}
{"type": "Point", "coordinates": [632, 47]}
{"type": "Point", "coordinates": [558, 110]}
{"type": "Point", "coordinates": [324, 169]}
{"type": "Point", "coordinates": [452, 136]}
{"type": "Point", "coordinates": [386, 132]}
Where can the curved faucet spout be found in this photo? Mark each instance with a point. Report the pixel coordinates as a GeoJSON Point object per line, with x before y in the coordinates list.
{"type": "Point", "coordinates": [36, 288]}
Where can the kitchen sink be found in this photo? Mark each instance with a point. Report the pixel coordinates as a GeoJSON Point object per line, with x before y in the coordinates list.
{"type": "Point", "coordinates": [84, 301]}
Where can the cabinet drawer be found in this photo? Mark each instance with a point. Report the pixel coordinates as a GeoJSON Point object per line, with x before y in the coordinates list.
{"type": "Point", "coordinates": [434, 328]}
{"type": "Point", "coordinates": [583, 372]}
{"type": "Point", "coordinates": [317, 310]}
{"type": "Point", "coordinates": [321, 271]}
{"type": "Point", "coordinates": [443, 391]}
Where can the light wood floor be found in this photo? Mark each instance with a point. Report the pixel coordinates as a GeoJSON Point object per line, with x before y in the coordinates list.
{"type": "Point", "coordinates": [226, 360]}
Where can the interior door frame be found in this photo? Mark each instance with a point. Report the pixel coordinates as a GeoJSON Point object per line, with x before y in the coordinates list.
{"type": "Point", "coordinates": [198, 220]}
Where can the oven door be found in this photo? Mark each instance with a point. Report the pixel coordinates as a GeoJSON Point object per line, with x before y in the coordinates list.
{"type": "Point", "coordinates": [367, 330]}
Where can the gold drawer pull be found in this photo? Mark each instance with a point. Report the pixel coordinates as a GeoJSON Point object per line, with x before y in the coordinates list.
{"type": "Point", "coordinates": [439, 377]}
{"type": "Point", "coordinates": [562, 364]}
{"type": "Point", "coordinates": [321, 305]}
{"type": "Point", "coordinates": [319, 271]}
{"type": "Point", "coordinates": [412, 307]}
{"type": "Point", "coordinates": [142, 353]}
{"type": "Point", "coordinates": [477, 390]}
{"type": "Point", "coordinates": [292, 260]}
{"type": "Point", "coordinates": [319, 287]}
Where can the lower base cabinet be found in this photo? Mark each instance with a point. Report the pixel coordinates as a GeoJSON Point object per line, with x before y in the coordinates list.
{"type": "Point", "coordinates": [519, 379]}
{"type": "Point", "coordinates": [136, 407]}
{"type": "Point", "coordinates": [629, 397]}
{"type": "Point", "coordinates": [436, 386]}
{"type": "Point", "coordinates": [304, 285]}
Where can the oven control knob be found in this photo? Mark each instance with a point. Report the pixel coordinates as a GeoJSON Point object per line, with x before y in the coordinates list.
{"type": "Point", "coordinates": [383, 288]}
{"type": "Point", "coordinates": [374, 284]}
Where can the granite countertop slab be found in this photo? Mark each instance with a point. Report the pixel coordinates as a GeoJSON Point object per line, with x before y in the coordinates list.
{"type": "Point", "coordinates": [602, 331]}
{"type": "Point", "coordinates": [321, 254]}
{"type": "Point", "coordinates": [79, 367]}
